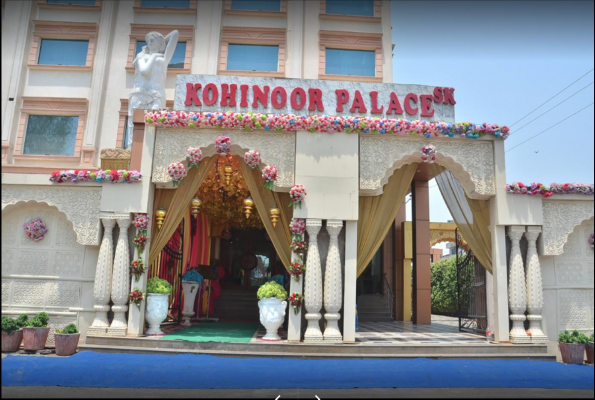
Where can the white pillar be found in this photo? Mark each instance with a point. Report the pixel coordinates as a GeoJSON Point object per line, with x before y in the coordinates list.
{"type": "Point", "coordinates": [517, 299]}
{"type": "Point", "coordinates": [333, 285]}
{"type": "Point", "coordinates": [313, 295]}
{"type": "Point", "coordinates": [350, 282]}
{"type": "Point", "coordinates": [121, 281]}
{"type": "Point", "coordinates": [534, 286]}
{"type": "Point", "coordinates": [103, 279]}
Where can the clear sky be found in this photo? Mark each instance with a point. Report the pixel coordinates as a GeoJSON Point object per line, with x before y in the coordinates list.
{"type": "Point", "coordinates": [505, 58]}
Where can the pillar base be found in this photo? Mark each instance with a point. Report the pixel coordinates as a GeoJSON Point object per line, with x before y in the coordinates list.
{"type": "Point", "coordinates": [120, 332]}
{"type": "Point", "coordinates": [520, 339]}
{"type": "Point", "coordinates": [97, 331]}
{"type": "Point", "coordinates": [313, 332]}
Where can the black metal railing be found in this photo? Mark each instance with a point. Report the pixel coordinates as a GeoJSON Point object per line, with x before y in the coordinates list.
{"type": "Point", "coordinates": [389, 296]}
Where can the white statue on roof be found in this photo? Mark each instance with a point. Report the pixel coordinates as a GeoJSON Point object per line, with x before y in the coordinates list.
{"type": "Point", "coordinates": [150, 72]}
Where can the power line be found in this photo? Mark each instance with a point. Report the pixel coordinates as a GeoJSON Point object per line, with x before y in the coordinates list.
{"type": "Point", "coordinates": [545, 130]}
{"type": "Point", "coordinates": [574, 94]}
{"type": "Point", "coordinates": [542, 104]}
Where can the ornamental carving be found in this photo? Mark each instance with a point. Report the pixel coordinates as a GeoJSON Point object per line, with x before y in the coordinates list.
{"type": "Point", "coordinates": [559, 220]}
{"type": "Point", "coordinates": [472, 162]}
{"type": "Point", "coordinates": [276, 149]}
{"type": "Point", "coordinates": [439, 236]}
{"type": "Point", "coordinates": [80, 205]}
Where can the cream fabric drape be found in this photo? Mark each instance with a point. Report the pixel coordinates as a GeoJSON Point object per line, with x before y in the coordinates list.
{"type": "Point", "coordinates": [378, 213]}
{"type": "Point", "coordinates": [471, 216]}
{"type": "Point", "coordinates": [177, 204]}
{"type": "Point", "coordinates": [264, 200]}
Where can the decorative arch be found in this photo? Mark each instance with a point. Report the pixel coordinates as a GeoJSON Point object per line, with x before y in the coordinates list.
{"type": "Point", "coordinates": [276, 149]}
{"type": "Point", "coordinates": [80, 205]}
{"type": "Point", "coordinates": [560, 218]}
{"type": "Point", "coordinates": [471, 162]}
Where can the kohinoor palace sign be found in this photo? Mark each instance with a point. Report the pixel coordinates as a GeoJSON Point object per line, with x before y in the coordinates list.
{"type": "Point", "coordinates": [215, 93]}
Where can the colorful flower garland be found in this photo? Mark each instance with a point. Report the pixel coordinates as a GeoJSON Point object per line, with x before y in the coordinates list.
{"type": "Point", "coordinates": [137, 268]}
{"type": "Point", "coordinates": [555, 188]}
{"type": "Point", "coordinates": [297, 227]}
{"type": "Point", "coordinates": [296, 300]}
{"type": "Point", "coordinates": [322, 123]}
{"type": "Point", "coordinates": [253, 159]}
{"type": "Point", "coordinates": [35, 229]}
{"type": "Point", "coordinates": [269, 174]}
{"type": "Point", "coordinates": [136, 297]}
{"type": "Point", "coordinates": [428, 153]}
{"type": "Point", "coordinates": [297, 270]}
{"type": "Point", "coordinates": [297, 194]}
{"type": "Point", "coordinates": [177, 172]}
{"type": "Point", "coordinates": [141, 222]}
{"type": "Point", "coordinates": [112, 176]}
{"type": "Point", "coordinates": [223, 145]}
{"type": "Point", "coordinates": [299, 246]}
{"type": "Point", "coordinates": [194, 156]}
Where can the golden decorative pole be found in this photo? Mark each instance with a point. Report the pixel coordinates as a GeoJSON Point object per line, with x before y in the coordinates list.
{"type": "Point", "coordinates": [248, 206]}
{"type": "Point", "coordinates": [274, 212]}
{"type": "Point", "coordinates": [195, 207]}
{"type": "Point", "coordinates": [228, 172]}
{"type": "Point", "coordinates": [160, 216]}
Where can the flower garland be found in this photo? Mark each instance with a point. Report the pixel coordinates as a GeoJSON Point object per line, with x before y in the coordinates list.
{"type": "Point", "coordinates": [591, 241]}
{"type": "Point", "coordinates": [141, 222]}
{"type": "Point", "coordinates": [323, 123]}
{"type": "Point", "coordinates": [111, 176]}
{"type": "Point", "coordinates": [555, 188]}
{"type": "Point", "coordinates": [297, 269]}
{"type": "Point", "coordinates": [136, 297]}
{"type": "Point", "coordinates": [252, 158]}
{"type": "Point", "coordinates": [297, 195]}
{"type": "Point", "coordinates": [137, 268]}
{"type": "Point", "coordinates": [194, 156]}
{"type": "Point", "coordinates": [296, 300]}
{"type": "Point", "coordinates": [428, 153]}
{"type": "Point", "coordinates": [35, 229]}
{"type": "Point", "coordinates": [299, 246]}
{"type": "Point", "coordinates": [297, 227]}
{"type": "Point", "coordinates": [177, 172]}
{"type": "Point", "coordinates": [140, 240]}
{"type": "Point", "coordinates": [269, 174]}
{"type": "Point", "coordinates": [223, 145]}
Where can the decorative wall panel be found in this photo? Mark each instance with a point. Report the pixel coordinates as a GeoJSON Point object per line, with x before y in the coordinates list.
{"type": "Point", "coordinates": [559, 220]}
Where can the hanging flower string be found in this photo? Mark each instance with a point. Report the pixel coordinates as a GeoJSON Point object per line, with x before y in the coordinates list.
{"type": "Point", "coordinates": [137, 268]}
{"type": "Point", "coordinates": [428, 153]}
{"type": "Point", "coordinates": [136, 297]}
{"type": "Point", "coordinates": [35, 229]}
{"type": "Point", "coordinates": [140, 241]}
{"type": "Point", "coordinates": [223, 145]}
{"type": "Point", "coordinates": [141, 222]}
{"type": "Point", "coordinates": [177, 172]}
{"type": "Point", "coordinates": [323, 123]}
{"type": "Point", "coordinates": [109, 175]}
{"type": "Point", "coordinates": [554, 188]}
{"type": "Point", "coordinates": [194, 156]}
{"type": "Point", "coordinates": [297, 270]}
{"type": "Point", "coordinates": [299, 246]}
{"type": "Point", "coordinates": [296, 300]}
{"type": "Point", "coordinates": [297, 227]}
{"type": "Point", "coordinates": [269, 174]}
{"type": "Point", "coordinates": [297, 195]}
{"type": "Point", "coordinates": [253, 159]}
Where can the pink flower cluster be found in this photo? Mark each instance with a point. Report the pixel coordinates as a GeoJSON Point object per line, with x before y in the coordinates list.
{"type": "Point", "coordinates": [297, 226]}
{"type": "Point", "coordinates": [252, 158]}
{"type": "Point", "coordinates": [323, 123]}
{"type": "Point", "coordinates": [194, 156]}
{"type": "Point", "coordinates": [428, 153]}
{"type": "Point", "coordinates": [223, 145]}
{"type": "Point", "coordinates": [555, 188]}
{"type": "Point", "coordinates": [177, 172]}
{"type": "Point", "coordinates": [141, 221]}
{"type": "Point", "coordinates": [297, 194]}
{"type": "Point", "coordinates": [35, 229]}
{"type": "Point", "coordinates": [269, 174]}
{"type": "Point", "coordinates": [112, 176]}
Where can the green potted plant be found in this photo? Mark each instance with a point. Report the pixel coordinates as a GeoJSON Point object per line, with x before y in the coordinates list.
{"type": "Point", "coordinates": [158, 291]}
{"type": "Point", "coordinates": [67, 340]}
{"type": "Point", "coordinates": [272, 306]}
{"type": "Point", "coordinates": [571, 348]}
{"type": "Point", "coordinates": [589, 349]}
{"type": "Point", "coordinates": [12, 335]}
{"type": "Point", "coordinates": [35, 334]}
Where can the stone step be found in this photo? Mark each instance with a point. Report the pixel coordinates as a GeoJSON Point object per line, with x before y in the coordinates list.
{"type": "Point", "coordinates": [376, 319]}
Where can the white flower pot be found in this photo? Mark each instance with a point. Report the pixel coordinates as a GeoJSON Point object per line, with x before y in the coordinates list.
{"type": "Point", "coordinates": [190, 289]}
{"type": "Point", "coordinates": [156, 312]}
{"type": "Point", "coordinates": [272, 315]}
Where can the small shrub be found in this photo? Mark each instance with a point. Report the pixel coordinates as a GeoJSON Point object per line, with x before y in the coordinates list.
{"type": "Point", "coordinates": [591, 338]}
{"type": "Point", "coordinates": [39, 321]}
{"type": "Point", "coordinates": [564, 337]}
{"type": "Point", "coordinates": [583, 339]}
{"type": "Point", "coordinates": [22, 320]}
{"type": "Point", "coordinates": [156, 285]}
{"type": "Point", "coordinates": [9, 325]}
{"type": "Point", "coordinates": [68, 330]}
{"type": "Point", "coordinates": [272, 290]}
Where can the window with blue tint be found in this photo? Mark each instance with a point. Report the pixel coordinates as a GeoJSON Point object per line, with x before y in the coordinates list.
{"type": "Point", "coordinates": [63, 52]}
{"type": "Point", "coordinates": [249, 57]}
{"type": "Point", "coordinates": [73, 2]}
{"type": "Point", "coordinates": [166, 3]}
{"type": "Point", "coordinates": [256, 5]}
{"type": "Point", "coordinates": [363, 8]}
{"type": "Point", "coordinates": [50, 135]}
{"type": "Point", "coordinates": [127, 133]}
{"type": "Point", "coordinates": [177, 60]}
{"type": "Point", "coordinates": [350, 62]}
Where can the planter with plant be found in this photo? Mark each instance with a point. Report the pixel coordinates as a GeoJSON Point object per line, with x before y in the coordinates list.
{"type": "Point", "coordinates": [191, 282]}
{"type": "Point", "coordinates": [589, 349]}
{"type": "Point", "coordinates": [272, 306]}
{"type": "Point", "coordinates": [158, 291]}
{"type": "Point", "coordinates": [572, 347]}
{"type": "Point", "coordinates": [67, 340]}
{"type": "Point", "coordinates": [35, 334]}
{"type": "Point", "coordinates": [12, 335]}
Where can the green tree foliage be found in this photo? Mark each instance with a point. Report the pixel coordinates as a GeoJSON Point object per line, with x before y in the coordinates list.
{"type": "Point", "coordinates": [443, 278]}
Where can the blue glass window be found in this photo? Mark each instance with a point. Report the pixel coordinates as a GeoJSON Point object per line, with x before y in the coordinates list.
{"type": "Point", "coordinates": [177, 60]}
{"type": "Point", "coordinates": [249, 57]}
{"type": "Point", "coordinates": [350, 62]}
{"type": "Point", "coordinates": [73, 2]}
{"type": "Point", "coordinates": [256, 5]}
{"type": "Point", "coordinates": [127, 133]}
{"type": "Point", "coordinates": [50, 135]}
{"type": "Point", "coordinates": [166, 3]}
{"type": "Point", "coordinates": [363, 8]}
{"type": "Point", "coordinates": [63, 52]}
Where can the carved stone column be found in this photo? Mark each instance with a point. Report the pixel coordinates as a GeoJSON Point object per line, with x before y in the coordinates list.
{"type": "Point", "coordinates": [121, 281]}
{"type": "Point", "coordinates": [313, 291]}
{"type": "Point", "coordinates": [534, 286]}
{"type": "Point", "coordinates": [517, 299]}
{"type": "Point", "coordinates": [333, 286]}
{"type": "Point", "coordinates": [103, 279]}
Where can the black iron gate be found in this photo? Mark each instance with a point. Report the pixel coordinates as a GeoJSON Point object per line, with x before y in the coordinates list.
{"type": "Point", "coordinates": [471, 289]}
{"type": "Point", "coordinates": [171, 268]}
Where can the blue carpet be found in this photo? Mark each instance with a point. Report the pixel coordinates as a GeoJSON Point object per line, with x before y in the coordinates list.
{"type": "Point", "coordinates": [188, 371]}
